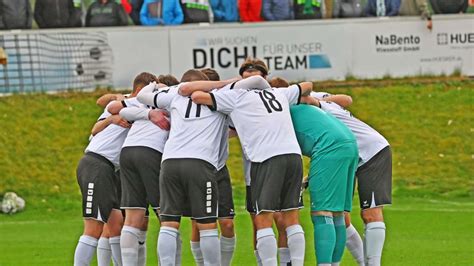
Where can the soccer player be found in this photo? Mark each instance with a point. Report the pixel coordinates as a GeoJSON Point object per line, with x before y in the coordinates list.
{"type": "Point", "coordinates": [263, 122]}
{"type": "Point", "coordinates": [108, 245]}
{"type": "Point", "coordinates": [374, 176]}
{"type": "Point", "coordinates": [333, 152]}
{"type": "Point", "coordinates": [96, 177]}
{"type": "Point", "coordinates": [256, 67]}
{"type": "Point", "coordinates": [226, 203]}
{"type": "Point", "coordinates": [190, 161]}
{"type": "Point", "coordinates": [104, 250]}
{"type": "Point", "coordinates": [140, 161]}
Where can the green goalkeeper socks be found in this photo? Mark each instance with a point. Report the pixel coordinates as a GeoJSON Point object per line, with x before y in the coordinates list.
{"type": "Point", "coordinates": [324, 238]}
{"type": "Point", "coordinates": [340, 227]}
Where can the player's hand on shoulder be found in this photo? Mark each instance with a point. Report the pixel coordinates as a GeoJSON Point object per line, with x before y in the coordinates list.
{"type": "Point", "coordinates": [160, 118]}
{"type": "Point", "coordinates": [119, 121]}
{"type": "Point", "coordinates": [310, 100]}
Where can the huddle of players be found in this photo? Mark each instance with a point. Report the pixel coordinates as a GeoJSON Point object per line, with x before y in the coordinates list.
{"type": "Point", "coordinates": [274, 130]}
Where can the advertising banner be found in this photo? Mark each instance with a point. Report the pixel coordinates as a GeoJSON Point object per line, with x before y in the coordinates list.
{"type": "Point", "coordinates": [39, 60]}
{"type": "Point", "coordinates": [138, 50]}
{"type": "Point", "coordinates": [407, 48]}
{"type": "Point", "coordinates": [295, 51]}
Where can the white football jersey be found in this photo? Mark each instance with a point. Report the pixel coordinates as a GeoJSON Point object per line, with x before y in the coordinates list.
{"type": "Point", "coordinates": [369, 141]}
{"type": "Point", "coordinates": [196, 131]}
{"type": "Point", "coordinates": [262, 119]}
{"type": "Point", "coordinates": [247, 165]}
{"type": "Point", "coordinates": [224, 144]}
{"type": "Point", "coordinates": [143, 132]}
{"type": "Point", "coordinates": [109, 141]}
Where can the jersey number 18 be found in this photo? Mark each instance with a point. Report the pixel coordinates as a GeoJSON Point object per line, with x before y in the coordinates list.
{"type": "Point", "coordinates": [270, 102]}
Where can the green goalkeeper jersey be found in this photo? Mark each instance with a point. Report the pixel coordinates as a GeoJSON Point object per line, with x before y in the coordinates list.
{"type": "Point", "coordinates": [318, 132]}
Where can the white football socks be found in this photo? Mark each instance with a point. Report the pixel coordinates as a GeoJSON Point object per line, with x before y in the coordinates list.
{"type": "Point", "coordinates": [167, 245]}
{"type": "Point", "coordinates": [284, 255]}
{"type": "Point", "coordinates": [141, 248]}
{"type": "Point", "coordinates": [116, 254]}
{"type": "Point", "coordinates": [267, 246]}
{"type": "Point", "coordinates": [374, 240]}
{"type": "Point", "coordinates": [179, 243]}
{"type": "Point", "coordinates": [104, 253]}
{"type": "Point", "coordinates": [129, 245]}
{"type": "Point", "coordinates": [85, 250]}
{"type": "Point", "coordinates": [197, 253]}
{"type": "Point", "coordinates": [210, 247]}
{"type": "Point", "coordinates": [227, 250]}
{"type": "Point", "coordinates": [296, 244]}
{"type": "Point", "coordinates": [354, 245]}
{"type": "Point", "coordinates": [257, 257]}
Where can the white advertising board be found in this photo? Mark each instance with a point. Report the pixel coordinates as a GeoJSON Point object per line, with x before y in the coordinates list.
{"type": "Point", "coordinates": [138, 50]}
{"type": "Point", "coordinates": [291, 50]}
{"type": "Point", "coordinates": [296, 50]}
{"type": "Point", "coordinates": [407, 48]}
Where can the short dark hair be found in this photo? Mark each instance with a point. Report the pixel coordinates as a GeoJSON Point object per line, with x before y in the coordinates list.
{"type": "Point", "coordinates": [211, 74]}
{"type": "Point", "coordinates": [168, 80]}
{"type": "Point", "coordinates": [143, 79]}
{"type": "Point", "coordinates": [251, 64]}
{"type": "Point", "coordinates": [193, 75]}
{"type": "Point", "coordinates": [278, 82]}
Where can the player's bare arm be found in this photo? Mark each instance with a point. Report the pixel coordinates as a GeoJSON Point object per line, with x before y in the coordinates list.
{"type": "Point", "coordinates": [306, 88]}
{"type": "Point", "coordinates": [310, 100]}
{"type": "Point", "coordinates": [113, 119]}
{"type": "Point", "coordinates": [107, 98]}
{"type": "Point", "coordinates": [188, 88]}
{"type": "Point", "coordinates": [200, 97]}
{"type": "Point", "coordinates": [341, 99]}
{"type": "Point", "coordinates": [156, 116]}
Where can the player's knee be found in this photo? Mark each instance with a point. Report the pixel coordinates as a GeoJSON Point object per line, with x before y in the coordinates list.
{"type": "Point", "coordinates": [227, 227]}
{"type": "Point", "coordinates": [372, 215]}
{"type": "Point", "coordinates": [263, 220]}
{"type": "Point", "coordinates": [290, 218]}
{"type": "Point", "coordinates": [115, 229]}
{"type": "Point", "coordinates": [206, 224]}
{"type": "Point", "coordinates": [279, 221]}
{"type": "Point", "coordinates": [93, 228]}
{"type": "Point", "coordinates": [115, 223]}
